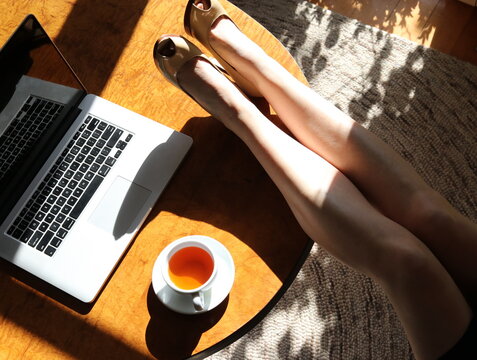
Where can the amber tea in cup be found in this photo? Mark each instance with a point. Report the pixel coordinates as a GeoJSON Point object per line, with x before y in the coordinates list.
{"type": "Point", "coordinates": [190, 267]}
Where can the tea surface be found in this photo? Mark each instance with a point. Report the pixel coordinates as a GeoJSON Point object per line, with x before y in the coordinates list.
{"type": "Point", "coordinates": [190, 267]}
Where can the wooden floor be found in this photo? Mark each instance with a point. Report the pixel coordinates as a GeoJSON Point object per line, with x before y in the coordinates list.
{"type": "Point", "coordinates": [449, 26]}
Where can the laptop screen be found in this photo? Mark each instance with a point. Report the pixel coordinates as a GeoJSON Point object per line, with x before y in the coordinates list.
{"type": "Point", "coordinates": [30, 51]}
{"type": "Point", "coordinates": [38, 92]}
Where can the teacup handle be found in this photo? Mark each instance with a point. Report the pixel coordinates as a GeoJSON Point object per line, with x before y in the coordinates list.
{"type": "Point", "coordinates": [198, 301]}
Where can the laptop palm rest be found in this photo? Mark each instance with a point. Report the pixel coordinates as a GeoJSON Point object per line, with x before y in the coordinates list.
{"type": "Point", "coordinates": [117, 213]}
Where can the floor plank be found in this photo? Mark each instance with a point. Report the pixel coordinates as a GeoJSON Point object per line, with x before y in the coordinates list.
{"type": "Point", "coordinates": [448, 22]}
{"type": "Point", "coordinates": [466, 46]}
{"type": "Point", "coordinates": [449, 26]}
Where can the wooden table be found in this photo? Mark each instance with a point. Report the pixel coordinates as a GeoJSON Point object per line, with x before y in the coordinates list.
{"type": "Point", "coordinates": [220, 191]}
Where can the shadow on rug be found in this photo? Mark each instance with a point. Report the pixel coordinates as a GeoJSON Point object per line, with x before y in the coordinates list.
{"type": "Point", "coordinates": [421, 102]}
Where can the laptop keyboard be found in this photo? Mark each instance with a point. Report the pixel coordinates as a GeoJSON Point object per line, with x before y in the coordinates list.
{"type": "Point", "coordinates": [35, 116]}
{"type": "Point", "coordinates": [65, 191]}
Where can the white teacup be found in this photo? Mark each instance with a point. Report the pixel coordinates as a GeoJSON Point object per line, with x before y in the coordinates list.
{"type": "Point", "coordinates": [188, 266]}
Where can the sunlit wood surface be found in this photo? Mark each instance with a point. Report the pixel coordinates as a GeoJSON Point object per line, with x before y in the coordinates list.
{"type": "Point", "coordinates": [220, 191]}
{"type": "Point", "coordinates": [449, 26]}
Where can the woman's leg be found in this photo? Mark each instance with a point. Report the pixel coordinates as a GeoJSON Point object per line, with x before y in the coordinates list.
{"type": "Point", "coordinates": [385, 179]}
{"type": "Point", "coordinates": [337, 216]}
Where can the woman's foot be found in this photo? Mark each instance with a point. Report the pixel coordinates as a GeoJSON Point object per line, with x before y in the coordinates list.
{"type": "Point", "coordinates": [215, 93]}
{"type": "Point", "coordinates": [209, 23]}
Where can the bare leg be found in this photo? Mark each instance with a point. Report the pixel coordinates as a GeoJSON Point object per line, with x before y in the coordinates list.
{"type": "Point", "coordinates": [336, 215]}
{"type": "Point", "coordinates": [385, 179]}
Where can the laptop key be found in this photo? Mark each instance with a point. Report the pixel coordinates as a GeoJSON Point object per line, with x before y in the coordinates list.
{"type": "Point", "coordinates": [56, 242]}
{"type": "Point", "coordinates": [72, 184]}
{"type": "Point", "coordinates": [75, 165]}
{"type": "Point", "coordinates": [54, 227]}
{"type": "Point", "coordinates": [17, 233]}
{"type": "Point", "coordinates": [62, 233]}
{"type": "Point", "coordinates": [11, 230]}
{"type": "Point", "coordinates": [67, 192]}
{"type": "Point", "coordinates": [94, 167]}
{"type": "Point", "coordinates": [66, 209]}
{"type": "Point", "coordinates": [29, 216]}
{"type": "Point", "coordinates": [45, 207]}
{"type": "Point", "coordinates": [78, 176]}
{"type": "Point", "coordinates": [110, 161]}
{"type": "Point", "coordinates": [51, 199]}
{"type": "Point", "coordinates": [69, 174]}
{"type": "Point", "coordinates": [23, 225]}
{"type": "Point", "coordinates": [112, 141]}
{"type": "Point", "coordinates": [40, 216]}
{"type": "Point", "coordinates": [78, 192]}
{"type": "Point", "coordinates": [86, 134]}
{"type": "Point", "coordinates": [104, 170]}
{"type": "Point", "coordinates": [55, 209]}
{"type": "Point", "coordinates": [100, 159]}
{"type": "Point", "coordinates": [26, 236]}
{"type": "Point", "coordinates": [93, 124]}
{"type": "Point", "coordinates": [35, 238]}
{"type": "Point", "coordinates": [50, 250]}
{"type": "Point", "coordinates": [105, 151]}
{"type": "Point", "coordinates": [34, 224]}
{"type": "Point", "coordinates": [108, 132]}
{"type": "Point", "coordinates": [45, 240]}
{"type": "Point", "coordinates": [89, 159]}
{"type": "Point", "coordinates": [100, 143]}
{"type": "Point", "coordinates": [68, 224]}
{"type": "Point", "coordinates": [60, 218]}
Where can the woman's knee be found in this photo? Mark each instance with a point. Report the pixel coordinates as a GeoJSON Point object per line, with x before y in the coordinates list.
{"type": "Point", "coordinates": [429, 214]}
{"type": "Point", "coordinates": [402, 258]}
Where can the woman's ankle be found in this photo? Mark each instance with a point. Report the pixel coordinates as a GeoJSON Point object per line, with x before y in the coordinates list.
{"type": "Point", "coordinates": [215, 93]}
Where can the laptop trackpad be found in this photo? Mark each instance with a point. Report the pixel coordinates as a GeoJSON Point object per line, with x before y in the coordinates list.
{"type": "Point", "coordinates": [117, 213]}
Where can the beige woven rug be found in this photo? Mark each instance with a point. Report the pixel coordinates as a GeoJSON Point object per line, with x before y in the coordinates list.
{"type": "Point", "coordinates": [424, 104]}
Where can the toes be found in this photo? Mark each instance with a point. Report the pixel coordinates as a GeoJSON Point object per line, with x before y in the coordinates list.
{"type": "Point", "coordinates": [165, 47]}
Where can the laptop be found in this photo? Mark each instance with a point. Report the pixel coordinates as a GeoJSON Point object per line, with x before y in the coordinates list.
{"type": "Point", "coordinates": [78, 174]}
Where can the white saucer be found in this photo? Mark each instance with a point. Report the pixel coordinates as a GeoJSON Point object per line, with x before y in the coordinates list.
{"type": "Point", "coordinates": [220, 287]}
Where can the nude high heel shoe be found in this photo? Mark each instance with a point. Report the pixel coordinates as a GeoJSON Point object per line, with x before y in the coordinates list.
{"type": "Point", "coordinates": [197, 23]}
{"type": "Point", "coordinates": [171, 52]}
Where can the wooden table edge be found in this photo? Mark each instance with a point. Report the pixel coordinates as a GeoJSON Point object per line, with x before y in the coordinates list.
{"type": "Point", "coordinates": [248, 326]}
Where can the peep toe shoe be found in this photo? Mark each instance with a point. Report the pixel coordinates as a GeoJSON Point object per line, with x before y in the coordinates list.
{"type": "Point", "coordinates": [171, 52]}
{"type": "Point", "coordinates": [197, 23]}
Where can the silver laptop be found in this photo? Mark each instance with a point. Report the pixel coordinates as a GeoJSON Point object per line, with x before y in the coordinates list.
{"type": "Point", "coordinates": [78, 174]}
